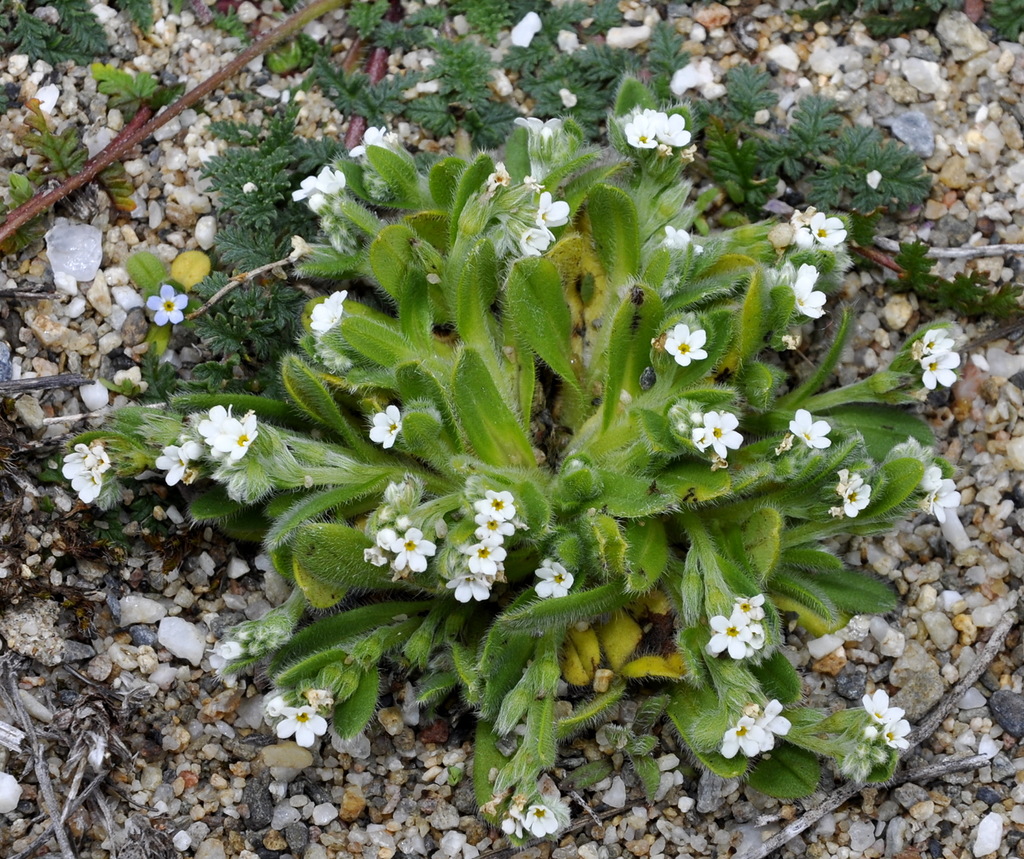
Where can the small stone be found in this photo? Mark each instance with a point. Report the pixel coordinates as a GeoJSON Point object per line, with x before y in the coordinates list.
{"type": "Point", "coordinates": [922, 75]}
{"type": "Point", "coordinates": [256, 797]}
{"type": "Point", "coordinates": [895, 836]}
{"type": "Point", "coordinates": [297, 837]}
{"type": "Point", "coordinates": [851, 683]}
{"type": "Point", "coordinates": [1014, 451]}
{"type": "Point", "coordinates": [74, 249]}
{"type": "Point", "coordinates": [627, 38]}
{"type": "Point", "coordinates": [972, 699]}
{"type": "Point", "coordinates": [436, 732]}
{"type": "Point", "coordinates": [182, 841]}
{"type": "Point", "coordinates": [32, 631]}
{"type": "Point", "coordinates": [99, 297]}
{"type": "Point", "coordinates": [353, 803]}
{"type": "Point", "coordinates": [391, 720]}
{"type": "Point", "coordinates": [1007, 709]}
{"type": "Point", "coordinates": [989, 835]}
{"type": "Point", "coordinates": [453, 843]}
{"type": "Point", "coordinates": [126, 297]}
{"type": "Point", "coordinates": [206, 231]}
{"type": "Point", "coordinates": [140, 609]}
{"type": "Point", "coordinates": [898, 311]}
{"type": "Point", "coordinates": [615, 796]}
{"type": "Point", "coordinates": [287, 755]}
{"type": "Point", "coordinates": [135, 327]}
{"type": "Point", "coordinates": [960, 36]}
{"type": "Point", "coordinates": [918, 675]}
{"type": "Point", "coordinates": [831, 663]}
{"type": "Point", "coordinates": [784, 57]}
{"type": "Point", "coordinates": [94, 396]}
{"type": "Point", "coordinates": [940, 629]}
{"type": "Point", "coordinates": [954, 173]}
{"type": "Point", "coordinates": [211, 848]}
{"type": "Point", "coordinates": [182, 639]}
{"type": "Point", "coordinates": [862, 836]}
{"type": "Point", "coordinates": [910, 794]}
{"type": "Point", "coordinates": [324, 813]}
{"type": "Point", "coordinates": [922, 810]}
{"type": "Point", "coordinates": [915, 130]}
{"type": "Point", "coordinates": [10, 793]}
{"type": "Point", "coordinates": [29, 412]}
{"type": "Point", "coordinates": [712, 16]}
{"type": "Point", "coordinates": [48, 331]}
{"type": "Point", "coordinates": [274, 840]}
{"type": "Point", "coordinates": [284, 814]}
{"type": "Point", "coordinates": [6, 368]}
{"type": "Point", "coordinates": [444, 817]}
{"type": "Point", "coordinates": [988, 796]}
{"type": "Point", "coordinates": [820, 647]}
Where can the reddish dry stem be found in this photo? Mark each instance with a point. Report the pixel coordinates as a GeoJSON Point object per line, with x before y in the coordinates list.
{"type": "Point", "coordinates": [878, 257]}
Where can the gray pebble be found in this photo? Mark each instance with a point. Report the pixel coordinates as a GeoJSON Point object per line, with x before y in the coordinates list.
{"type": "Point", "coordinates": [910, 794]}
{"type": "Point", "coordinates": [256, 795]}
{"type": "Point", "coordinates": [75, 651]}
{"type": "Point", "coordinates": [445, 817]}
{"type": "Point", "coordinates": [142, 634]}
{"type": "Point", "coordinates": [297, 837]}
{"type": "Point", "coordinates": [6, 369]}
{"type": "Point", "coordinates": [895, 836]}
{"type": "Point", "coordinates": [1007, 709]}
{"type": "Point", "coordinates": [988, 796]}
{"type": "Point", "coordinates": [915, 130]}
{"type": "Point", "coordinates": [709, 792]}
{"type": "Point", "coordinates": [135, 327]}
{"type": "Point", "coordinates": [851, 683]}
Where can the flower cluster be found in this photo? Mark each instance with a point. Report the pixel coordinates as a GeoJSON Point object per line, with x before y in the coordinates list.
{"type": "Point", "coordinates": [935, 354]}
{"type": "Point", "coordinates": [85, 467]}
{"type": "Point", "coordinates": [169, 305]}
{"type": "Point", "coordinates": [550, 213]}
{"type": "Point", "coordinates": [809, 301]}
{"type": "Point", "coordinates": [680, 240]}
{"type": "Point", "coordinates": [741, 633]}
{"type": "Point", "coordinates": [227, 437]}
{"type": "Point", "coordinates": [316, 188]}
{"type": "Point", "coordinates": [177, 459]}
{"type": "Point", "coordinates": [495, 519]}
{"type": "Point", "coordinates": [887, 722]}
{"type": "Point", "coordinates": [555, 580]}
{"type": "Point", "coordinates": [539, 819]}
{"type": "Point", "coordinates": [941, 492]}
{"type": "Point", "coordinates": [854, 492]}
{"type": "Point", "coordinates": [375, 137]}
{"type": "Point", "coordinates": [328, 313]}
{"type": "Point", "coordinates": [652, 129]}
{"type": "Point", "coordinates": [407, 553]}
{"type": "Point", "coordinates": [718, 432]}
{"type": "Point", "coordinates": [813, 228]}
{"type": "Point", "coordinates": [756, 731]}
{"type": "Point", "coordinates": [685, 345]}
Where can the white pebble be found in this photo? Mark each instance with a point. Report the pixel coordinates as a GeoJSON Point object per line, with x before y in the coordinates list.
{"type": "Point", "coordinates": [627, 37]}
{"type": "Point", "coordinates": [525, 30]}
{"type": "Point", "coordinates": [75, 308]}
{"type": "Point", "coordinates": [823, 646]}
{"type": "Point", "coordinates": [66, 283]}
{"type": "Point", "coordinates": [693, 76]}
{"type": "Point", "coordinates": [971, 699]}
{"type": "Point", "coordinates": [988, 747]}
{"type": "Point", "coordinates": [126, 297]}
{"type": "Point", "coordinates": [784, 57]}
{"type": "Point", "coordinates": [453, 841]}
{"type": "Point", "coordinates": [990, 835]}
{"type": "Point", "coordinates": [206, 230]}
{"type": "Point", "coordinates": [182, 639]}
{"type": "Point", "coordinates": [140, 609]}
{"type": "Point", "coordinates": [922, 75]}
{"type": "Point", "coordinates": [615, 796]}
{"type": "Point", "coordinates": [324, 813]}
{"type": "Point", "coordinates": [284, 814]}
{"type": "Point", "coordinates": [182, 840]}
{"type": "Point", "coordinates": [10, 793]}
{"type": "Point", "coordinates": [74, 249]}
{"type": "Point", "coordinates": [567, 41]}
{"type": "Point", "coordinates": [94, 396]}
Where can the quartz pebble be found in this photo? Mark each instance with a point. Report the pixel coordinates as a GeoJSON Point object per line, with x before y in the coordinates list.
{"type": "Point", "coordinates": [182, 639]}
{"type": "Point", "coordinates": [74, 249]}
{"type": "Point", "coordinates": [140, 609]}
{"type": "Point", "coordinates": [989, 835]}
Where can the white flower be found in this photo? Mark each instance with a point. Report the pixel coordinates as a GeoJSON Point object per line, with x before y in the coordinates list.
{"type": "Point", "coordinates": [808, 301]}
{"type": "Point", "coordinates": [491, 526]}
{"type": "Point", "coordinates": [225, 652]}
{"type": "Point", "coordinates": [719, 431]}
{"type": "Point", "coordinates": [814, 433]}
{"type": "Point", "coordinates": [500, 505]}
{"type": "Point", "coordinates": [470, 587]}
{"type": "Point", "coordinates": [374, 555]}
{"type": "Point", "coordinates": [175, 460]}
{"type": "Point", "coordinates": [551, 213]}
{"type": "Point", "coordinates": [313, 188]}
{"type": "Point", "coordinates": [210, 427]}
{"type": "Point", "coordinates": [938, 369]}
{"type": "Point", "coordinates": [750, 607]}
{"type": "Point", "coordinates": [513, 824]}
{"type": "Point", "coordinates": [693, 76]}
{"type": "Point", "coordinates": [941, 493]}
{"type": "Point", "coordinates": [88, 485]}
{"type": "Point", "coordinates": [673, 131]}
{"type": "Point", "coordinates": [877, 705]}
{"type": "Point", "coordinates": [773, 724]}
{"type": "Point", "coordinates": [373, 137]}
{"type": "Point", "coordinates": [854, 491]}
{"type": "Point", "coordinates": [555, 580]}
{"type": "Point", "coordinates": [328, 313]}
{"type": "Point", "coordinates": [822, 230]}
{"type": "Point", "coordinates": [235, 437]}
{"type": "Point", "coordinates": [500, 178]}
{"type": "Point", "coordinates": [745, 736]}
{"type": "Point", "coordinates": [85, 467]}
{"type": "Point", "coordinates": [168, 305]}
{"type": "Point", "coordinates": [546, 129]}
{"type": "Point", "coordinates": [935, 342]}
{"type": "Point", "coordinates": [733, 634]}
{"type": "Point", "coordinates": [386, 426]}
{"type": "Point", "coordinates": [412, 550]}
{"type": "Point", "coordinates": [276, 706]}
{"type": "Point", "coordinates": [685, 345]}
{"type": "Point", "coordinates": [485, 556]}
{"type": "Point", "coordinates": [643, 129]}
{"type": "Point", "coordinates": [679, 240]}
{"type": "Point", "coordinates": [541, 821]}
{"type": "Point", "coordinates": [304, 723]}
{"type": "Point", "coordinates": [535, 240]}
{"type": "Point", "coordinates": [895, 732]}
{"type": "Point", "coordinates": [526, 29]}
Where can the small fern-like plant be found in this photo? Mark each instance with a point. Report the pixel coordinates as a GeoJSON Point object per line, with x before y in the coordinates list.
{"type": "Point", "coordinates": [545, 453]}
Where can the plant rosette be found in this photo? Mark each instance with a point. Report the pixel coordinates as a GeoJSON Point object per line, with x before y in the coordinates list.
{"type": "Point", "coordinates": [542, 450]}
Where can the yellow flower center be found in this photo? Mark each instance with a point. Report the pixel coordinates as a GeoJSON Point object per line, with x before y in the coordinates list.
{"type": "Point", "coordinates": [559, 578]}
{"type": "Point", "coordinates": [732, 631]}
{"type": "Point", "coordinates": [243, 440]}
{"type": "Point", "coordinates": [741, 731]}
{"type": "Point", "coordinates": [717, 432]}
{"type": "Point", "coordinates": [302, 717]}
{"type": "Point", "coordinates": [410, 545]}
{"type": "Point", "coordinates": [170, 306]}
{"type": "Point", "coordinates": [683, 348]}
{"type": "Point", "coordinates": [497, 504]}
{"type": "Point", "coordinates": [393, 428]}
{"type": "Point", "coordinates": [484, 552]}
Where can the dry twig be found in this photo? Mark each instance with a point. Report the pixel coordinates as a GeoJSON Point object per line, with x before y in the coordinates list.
{"type": "Point", "coordinates": [968, 252]}
{"type": "Point", "coordinates": [42, 383]}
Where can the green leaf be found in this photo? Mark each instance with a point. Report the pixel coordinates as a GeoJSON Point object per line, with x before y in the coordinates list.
{"type": "Point", "coordinates": [476, 288]}
{"type": "Point", "coordinates": [650, 775]}
{"type": "Point", "coordinates": [611, 545]}
{"type": "Point", "coordinates": [315, 505]}
{"type": "Point", "coordinates": [471, 181]}
{"type": "Point", "coordinates": [486, 758]}
{"type": "Point", "coordinates": [857, 592]}
{"type": "Point", "coordinates": [778, 678]}
{"type": "Point", "coordinates": [353, 714]}
{"type": "Point", "coordinates": [332, 554]}
{"type": "Point", "coordinates": [444, 180]}
{"type": "Point", "coordinates": [493, 430]}
{"type": "Point", "coordinates": [795, 398]}
{"type": "Point", "coordinates": [146, 270]}
{"type": "Point", "coordinates": [398, 170]}
{"type": "Point", "coordinates": [535, 308]}
{"type": "Point", "coordinates": [392, 259]}
{"type": "Point", "coordinates": [762, 539]}
{"type": "Point", "coordinates": [264, 408]}
{"type": "Point", "coordinates": [634, 325]}
{"type": "Point", "coordinates": [631, 95]}
{"type": "Point", "coordinates": [752, 326]}
{"type": "Point", "coordinates": [308, 391]}
{"type": "Point", "coordinates": [646, 553]}
{"type": "Point", "coordinates": [215, 504]}
{"type": "Point", "coordinates": [614, 226]}
{"type": "Point", "coordinates": [882, 427]}
{"type": "Point", "coordinates": [694, 482]}
{"type": "Point", "coordinates": [558, 613]}
{"type": "Point", "coordinates": [634, 497]}
{"type": "Point", "coordinates": [786, 772]}
{"type": "Point", "coordinates": [378, 342]}
{"type": "Point", "coordinates": [686, 707]}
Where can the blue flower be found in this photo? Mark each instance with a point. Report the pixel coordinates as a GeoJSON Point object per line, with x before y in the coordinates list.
{"type": "Point", "coordinates": [168, 305]}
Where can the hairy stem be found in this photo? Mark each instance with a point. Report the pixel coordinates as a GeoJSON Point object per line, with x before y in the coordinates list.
{"type": "Point", "coordinates": [144, 124]}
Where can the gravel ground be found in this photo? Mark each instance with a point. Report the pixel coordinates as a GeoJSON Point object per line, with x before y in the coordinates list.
{"type": "Point", "coordinates": [118, 640]}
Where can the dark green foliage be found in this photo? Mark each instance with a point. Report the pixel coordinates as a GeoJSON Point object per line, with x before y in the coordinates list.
{"type": "Point", "coordinates": [1007, 16]}
{"type": "Point", "coordinates": [485, 17]}
{"type": "Point", "coordinates": [129, 92]}
{"type": "Point", "coordinates": [818, 153]}
{"type": "Point", "coordinates": [353, 94]}
{"type": "Point", "coordinates": [967, 295]}
{"type": "Point", "coordinates": [75, 36]}
{"type": "Point", "coordinates": [231, 24]}
{"type": "Point", "coordinates": [140, 11]}
{"type": "Point", "coordinates": [366, 16]}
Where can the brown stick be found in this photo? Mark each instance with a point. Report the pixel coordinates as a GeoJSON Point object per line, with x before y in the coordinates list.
{"type": "Point", "coordinates": [878, 257]}
{"type": "Point", "coordinates": [144, 124]}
